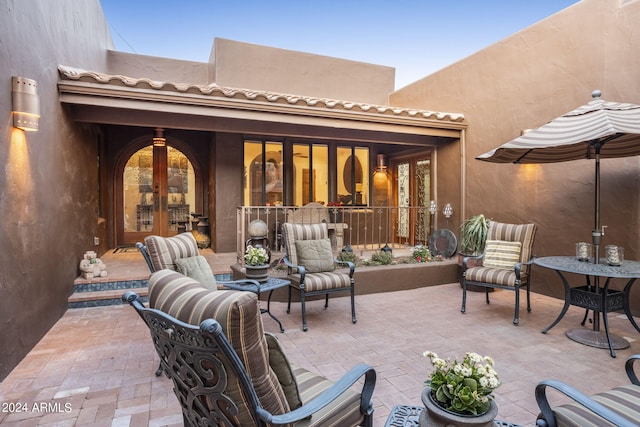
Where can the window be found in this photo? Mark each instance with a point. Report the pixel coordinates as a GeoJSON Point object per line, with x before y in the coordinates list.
{"type": "Point", "coordinates": [263, 180]}
{"type": "Point", "coordinates": [353, 176]}
{"type": "Point", "coordinates": [310, 174]}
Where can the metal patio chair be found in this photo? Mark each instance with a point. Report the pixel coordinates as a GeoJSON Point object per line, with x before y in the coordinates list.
{"type": "Point", "coordinates": [312, 266]}
{"type": "Point", "coordinates": [506, 263]}
{"type": "Point", "coordinates": [228, 371]}
{"type": "Point", "coordinates": [619, 406]}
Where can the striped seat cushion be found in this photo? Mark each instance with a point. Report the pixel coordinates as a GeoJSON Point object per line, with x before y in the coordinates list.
{"type": "Point", "coordinates": [164, 250]}
{"type": "Point", "coordinates": [343, 411]}
{"type": "Point", "coordinates": [625, 401]}
{"type": "Point", "coordinates": [322, 281]}
{"type": "Point", "coordinates": [499, 276]}
{"type": "Point", "coordinates": [239, 315]}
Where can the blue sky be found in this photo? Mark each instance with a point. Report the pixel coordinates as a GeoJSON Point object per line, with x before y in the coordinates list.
{"type": "Point", "coordinates": [417, 37]}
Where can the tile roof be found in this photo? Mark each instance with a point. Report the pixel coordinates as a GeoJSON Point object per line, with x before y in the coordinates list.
{"type": "Point", "coordinates": [215, 91]}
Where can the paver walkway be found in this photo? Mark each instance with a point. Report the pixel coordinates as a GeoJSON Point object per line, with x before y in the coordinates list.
{"type": "Point", "coordinates": [95, 367]}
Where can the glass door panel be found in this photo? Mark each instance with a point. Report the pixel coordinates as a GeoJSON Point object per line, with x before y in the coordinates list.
{"type": "Point", "coordinates": [138, 195]}
{"type": "Point", "coordinates": [181, 183]}
{"type": "Point", "coordinates": [413, 189]}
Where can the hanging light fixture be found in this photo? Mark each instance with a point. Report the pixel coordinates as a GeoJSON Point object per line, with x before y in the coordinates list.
{"type": "Point", "coordinates": [25, 104]}
{"type": "Point", "coordinates": [158, 137]}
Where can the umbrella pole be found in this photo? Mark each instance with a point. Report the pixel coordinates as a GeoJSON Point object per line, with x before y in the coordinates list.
{"type": "Point", "coordinates": [596, 234]}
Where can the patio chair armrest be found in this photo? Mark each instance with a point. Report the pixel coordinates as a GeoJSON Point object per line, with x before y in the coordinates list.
{"type": "Point", "coordinates": [466, 259]}
{"type": "Point", "coordinates": [547, 417]}
{"type": "Point", "coordinates": [145, 254]}
{"type": "Point", "coordinates": [628, 366]}
{"type": "Point", "coordinates": [240, 285]}
{"type": "Point", "coordinates": [299, 268]}
{"type": "Point", "coordinates": [518, 266]}
{"type": "Point", "coordinates": [329, 395]}
{"type": "Point", "coordinates": [352, 266]}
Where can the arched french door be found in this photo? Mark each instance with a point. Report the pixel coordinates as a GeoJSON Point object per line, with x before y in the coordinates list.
{"type": "Point", "coordinates": [156, 192]}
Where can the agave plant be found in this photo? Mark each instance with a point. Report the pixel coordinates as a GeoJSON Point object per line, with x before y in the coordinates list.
{"type": "Point", "coordinates": [473, 235]}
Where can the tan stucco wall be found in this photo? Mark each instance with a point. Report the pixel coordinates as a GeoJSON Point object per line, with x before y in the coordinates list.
{"type": "Point", "coordinates": [246, 65]}
{"type": "Point", "coordinates": [48, 184]}
{"type": "Point", "coordinates": [524, 81]}
{"type": "Point", "coordinates": [157, 68]}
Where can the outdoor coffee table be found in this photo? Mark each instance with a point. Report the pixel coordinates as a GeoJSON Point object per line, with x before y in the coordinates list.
{"type": "Point", "coordinates": [594, 297]}
{"type": "Point", "coordinates": [271, 284]}
{"type": "Point", "coordinates": [408, 416]}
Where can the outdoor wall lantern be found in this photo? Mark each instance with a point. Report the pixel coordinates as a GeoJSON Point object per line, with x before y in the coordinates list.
{"type": "Point", "coordinates": [448, 211]}
{"type": "Point", "coordinates": [25, 104]}
{"type": "Point", "coordinates": [381, 163]}
{"type": "Point", "coordinates": [433, 207]}
{"type": "Point", "coordinates": [158, 137]}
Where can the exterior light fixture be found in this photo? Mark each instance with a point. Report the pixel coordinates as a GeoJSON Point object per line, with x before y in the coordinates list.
{"type": "Point", "coordinates": [25, 104]}
{"type": "Point", "coordinates": [433, 207]}
{"type": "Point", "coordinates": [158, 137]}
{"type": "Point", "coordinates": [448, 211]}
{"type": "Point", "coordinates": [381, 163]}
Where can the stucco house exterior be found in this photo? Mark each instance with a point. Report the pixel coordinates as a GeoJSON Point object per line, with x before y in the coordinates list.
{"type": "Point", "coordinates": [259, 125]}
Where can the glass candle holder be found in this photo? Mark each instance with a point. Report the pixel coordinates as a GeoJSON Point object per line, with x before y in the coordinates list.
{"type": "Point", "coordinates": [615, 254]}
{"type": "Point", "coordinates": [583, 251]}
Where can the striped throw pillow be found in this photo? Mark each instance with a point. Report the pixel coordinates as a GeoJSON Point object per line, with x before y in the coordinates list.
{"type": "Point", "coordinates": [501, 254]}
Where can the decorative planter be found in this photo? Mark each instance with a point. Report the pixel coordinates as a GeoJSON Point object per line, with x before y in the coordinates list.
{"type": "Point", "coordinates": [436, 416]}
{"type": "Point", "coordinates": [257, 272]}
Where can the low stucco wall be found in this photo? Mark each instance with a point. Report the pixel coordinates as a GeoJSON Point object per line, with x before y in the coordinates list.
{"type": "Point", "coordinates": [387, 278]}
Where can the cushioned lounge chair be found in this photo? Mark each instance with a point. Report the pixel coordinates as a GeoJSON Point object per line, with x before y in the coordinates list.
{"type": "Point", "coordinates": [506, 263]}
{"type": "Point", "coordinates": [227, 371]}
{"type": "Point", "coordinates": [616, 407]}
{"type": "Point", "coordinates": [312, 267]}
{"type": "Point", "coordinates": [180, 253]}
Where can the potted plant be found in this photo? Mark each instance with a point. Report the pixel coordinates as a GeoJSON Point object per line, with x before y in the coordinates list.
{"type": "Point", "coordinates": [473, 236]}
{"type": "Point", "coordinates": [461, 393]}
{"type": "Point", "coordinates": [256, 266]}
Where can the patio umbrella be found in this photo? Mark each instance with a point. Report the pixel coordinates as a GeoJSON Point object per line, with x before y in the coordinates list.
{"type": "Point", "coordinates": [598, 129]}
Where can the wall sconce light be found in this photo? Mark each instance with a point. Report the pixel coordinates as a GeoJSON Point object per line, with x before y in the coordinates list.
{"type": "Point", "coordinates": [381, 163]}
{"type": "Point", "coordinates": [158, 137]}
{"type": "Point", "coordinates": [25, 104]}
{"type": "Point", "coordinates": [448, 211]}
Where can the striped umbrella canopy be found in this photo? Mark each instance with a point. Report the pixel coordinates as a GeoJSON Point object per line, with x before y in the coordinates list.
{"type": "Point", "coordinates": [598, 129]}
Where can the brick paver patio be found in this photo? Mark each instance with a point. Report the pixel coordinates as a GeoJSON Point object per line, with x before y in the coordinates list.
{"type": "Point", "coordinates": [96, 365]}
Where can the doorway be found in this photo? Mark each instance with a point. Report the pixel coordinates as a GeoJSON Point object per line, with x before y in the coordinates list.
{"type": "Point", "coordinates": [412, 189]}
{"type": "Point", "coordinates": [156, 194]}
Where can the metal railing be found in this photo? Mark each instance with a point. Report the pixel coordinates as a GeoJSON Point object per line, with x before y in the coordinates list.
{"type": "Point", "coordinates": [365, 228]}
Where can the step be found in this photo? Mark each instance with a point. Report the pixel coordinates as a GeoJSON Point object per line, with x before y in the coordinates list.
{"type": "Point", "coordinates": [103, 292]}
{"type": "Point", "coordinates": [103, 298]}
